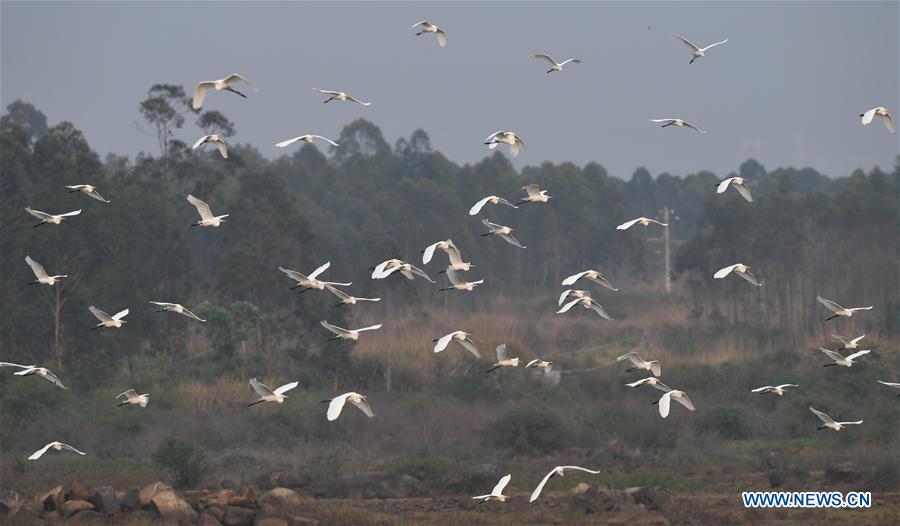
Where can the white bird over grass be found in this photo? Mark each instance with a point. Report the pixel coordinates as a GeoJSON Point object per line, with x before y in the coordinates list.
{"type": "Point", "coordinates": [42, 277]}
{"type": "Point", "coordinates": [336, 405]}
{"type": "Point", "coordinates": [558, 470]}
{"type": "Point", "coordinates": [28, 370]}
{"type": "Point", "coordinates": [590, 275]}
{"type": "Point", "coordinates": [491, 199]}
{"type": "Point", "coordinates": [50, 218]}
{"type": "Point", "coordinates": [881, 112]}
{"type": "Point", "coordinates": [427, 27]}
{"type": "Point", "coordinates": [640, 364]}
{"type": "Point", "coordinates": [269, 395]}
{"type": "Point", "coordinates": [452, 252]}
{"type": "Point", "coordinates": [776, 389]}
{"type": "Point", "coordinates": [206, 215]}
{"type": "Point", "coordinates": [503, 359]}
{"type": "Point", "coordinates": [838, 310]}
{"type": "Point", "coordinates": [652, 381]}
{"type": "Point", "coordinates": [310, 282]}
{"type": "Point", "coordinates": [738, 184]}
{"type": "Point", "coordinates": [741, 270]}
{"type": "Point", "coordinates": [86, 189]}
{"type": "Point", "coordinates": [829, 422]}
{"type": "Point", "coordinates": [534, 194]}
{"type": "Point", "coordinates": [676, 122]}
{"type": "Point", "coordinates": [214, 139]}
{"type": "Point", "coordinates": [847, 361]}
{"type": "Point", "coordinates": [347, 299]}
{"type": "Point", "coordinates": [409, 271]}
{"type": "Point", "coordinates": [305, 138]}
{"type": "Point", "coordinates": [176, 308]}
{"type": "Point", "coordinates": [218, 85]}
{"type": "Point", "coordinates": [680, 396]}
{"type": "Point", "coordinates": [540, 364]}
{"type": "Point", "coordinates": [503, 232]}
{"type": "Point", "coordinates": [643, 221]}
{"type": "Point", "coordinates": [347, 334]}
{"type": "Point", "coordinates": [457, 283]}
{"type": "Point", "coordinates": [554, 65]}
{"type": "Point", "coordinates": [341, 96]}
{"type": "Point", "coordinates": [58, 446]}
{"type": "Point", "coordinates": [891, 385]}
{"type": "Point", "coordinates": [461, 337]}
{"type": "Point", "coordinates": [848, 343]}
{"type": "Point", "coordinates": [497, 492]}
{"type": "Point", "coordinates": [516, 144]}
{"type": "Point", "coordinates": [106, 320]}
{"type": "Point", "coordinates": [588, 303]}
{"type": "Point", "coordinates": [572, 293]}
{"type": "Point", "coordinates": [698, 51]}
{"type": "Point", "coordinates": [131, 397]}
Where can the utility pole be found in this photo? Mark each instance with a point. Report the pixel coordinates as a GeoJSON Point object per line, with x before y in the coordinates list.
{"type": "Point", "coordinates": [668, 253]}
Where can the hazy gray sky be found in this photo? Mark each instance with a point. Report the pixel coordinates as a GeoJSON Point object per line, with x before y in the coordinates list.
{"type": "Point", "coordinates": [786, 89]}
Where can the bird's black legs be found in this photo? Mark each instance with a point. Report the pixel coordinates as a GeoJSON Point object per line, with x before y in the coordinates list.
{"type": "Point", "coordinates": [488, 234]}
{"type": "Point", "coordinates": [33, 282]}
{"type": "Point", "coordinates": [829, 364]}
{"type": "Point", "coordinates": [820, 428]}
{"type": "Point", "coordinates": [123, 403]}
{"type": "Point", "coordinates": [448, 288]}
{"type": "Point", "coordinates": [335, 338]}
{"type": "Point", "coordinates": [338, 305]}
{"type": "Point", "coordinates": [257, 402]}
{"type": "Point", "coordinates": [97, 327]}
{"type": "Point", "coordinates": [236, 91]}
{"type": "Point", "coordinates": [304, 290]}
{"type": "Point", "coordinates": [633, 369]}
{"type": "Point", "coordinates": [494, 368]}
{"type": "Point", "coordinates": [161, 310]}
{"type": "Point", "coordinates": [40, 224]}
{"type": "Point", "coordinates": [667, 124]}
{"type": "Point", "coordinates": [831, 317]}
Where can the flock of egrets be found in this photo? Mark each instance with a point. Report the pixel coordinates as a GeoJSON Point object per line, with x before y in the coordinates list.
{"type": "Point", "coordinates": [568, 299]}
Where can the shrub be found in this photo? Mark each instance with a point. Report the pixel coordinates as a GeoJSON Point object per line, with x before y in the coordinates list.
{"type": "Point", "coordinates": [727, 422]}
{"type": "Point", "coordinates": [527, 428]}
{"type": "Point", "coordinates": [182, 460]}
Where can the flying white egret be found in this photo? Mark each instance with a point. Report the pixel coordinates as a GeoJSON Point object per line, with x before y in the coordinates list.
{"type": "Point", "coordinates": [572, 293]}
{"type": "Point", "coordinates": [28, 370]}
{"type": "Point", "coordinates": [427, 27]}
{"type": "Point", "coordinates": [310, 282]}
{"type": "Point", "coordinates": [540, 364]}
{"type": "Point", "coordinates": [176, 308]}
{"type": "Point", "coordinates": [58, 446]}
{"type": "Point", "coordinates": [347, 299]}
{"type": "Point", "coordinates": [651, 381]}
{"type": "Point", "coordinates": [698, 51]}
{"type": "Point", "coordinates": [554, 65]}
{"type": "Point", "coordinates": [336, 405]}
{"type": "Point", "coordinates": [497, 492]}
{"type": "Point", "coordinates": [87, 189]}
{"type": "Point", "coordinates": [882, 112]}
{"type": "Point", "coordinates": [643, 221]}
{"type": "Point", "coordinates": [206, 216]}
{"type": "Point", "coordinates": [741, 270]}
{"type": "Point", "coordinates": [777, 389]}
{"type": "Point", "coordinates": [847, 361]}
{"type": "Point", "coordinates": [848, 343]}
{"type": "Point", "coordinates": [829, 422]}
{"type": "Point", "coordinates": [41, 274]}
{"type": "Point", "coordinates": [269, 395]}
{"type": "Point", "coordinates": [534, 194]}
{"type": "Point", "coordinates": [341, 96]}
{"type": "Point", "coordinates": [491, 199]}
{"type": "Point", "coordinates": [503, 359]}
{"type": "Point", "coordinates": [457, 283]}
{"type": "Point", "coordinates": [640, 364]}
{"type": "Point", "coordinates": [347, 334]}
{"type": "Point", "coordinates": [452, 252]}
{"type": "Point", "coordinates": [131, 397]}
{"type": "Point", "coordinates": [676, 122]}
{"type": "Point", "coordinates": [410, 271]}
{"type": "Point", "coordinates": [679, 396]}
{"type": "Point", "coordinates": [590, 275]}
{"type": "Point", "coordinates": [890, 384]}
{"type": "Point", "coordinates": [215, 139]}
{"type": "Point", "coordinates": [218, 85]}
{"type": "Point", "coordinates": [738, 184]}
{"type": "Point", "coordinates": [461, 337]}
{"type": "Point", "coordinates": [505, 137]}
{"type": "Point", "coordinates": [588, 303]}
{"type": "Point", "coordinates": [305, 138]}
{"type": "Point", "coordinates": [50, 218]}
{"type": "Point", "coordinates": [838, 310]}
{"type": "Point", "coordinates": [504, 232]}
{"type": "Point", "coordinates": [428, 253]}
{"type": "Point", "coordinates": [106, 320]}
{"type": "Point", "coordinates": [558, 470]}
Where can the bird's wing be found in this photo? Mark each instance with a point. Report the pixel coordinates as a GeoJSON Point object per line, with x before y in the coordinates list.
{"type": "Point", "coordinates": [601, 279]}
{"type": "Point", "coordinates": [293, 274]}
{"type": "Point", "coordinates": [379, 269]}
{"type": "Point", "coordinates": [320, 270]}
{"type": "Point", "coordinates": [223, 149]}
{"type": "Point", "coordinates": [744, 190]}
{"type": "Point", "coordinates": [842, 339]}
{"type": "Point", "coordinates": [453, 276]}
{"type": "Point", "coordinates": [688, 43]}
{"type": "Point", "coordinates": [333, 328]}
{"type": "Point", "coordinates": [573, 278]}
{"type": "Point", "coordinates": [868, 116]}
{"type": "Point", "coordinates": [572, 60]}
{"type": "Point", "coordinates": [512, 240]}
{"type": "Point", "coordinates": [70, 448]}
{"type": "Point", "coordinates": [190, 314]}
{"type": "Point", "coordinates": [889, 384]}
{"type": "Point", "coordinates": [502, 354]}
{"type": "Point", "coordinates": [289, 142]}
{"type": "Point", "coordinates": [532, 190]}
{"type": "Point", "coordinates": [563, 296]}
{"type": "Point", "coordinates": [420, 272]}
{"type": "Point", "coordinates": [850, 423]}
{"type": "Point", "coordinates": [663, 120]}
{"type": "Point", "coordinates": [782, 386]}
{"type": "Point", "coordinates": [50, 377]}
{"type": "Point", "coordinates": [469, 345]}
{"type": "Point", "coordinates": [428, 253]}
{"type": "Point", "coordinates": [498, 489]}
{"type": "Point", "coordinates": [75, 186]}
{"type": "Point", "coordinates": [724, 185]}
{"type": "Point", "coordinates": [488, 224]}
{"type": "Point", "coordinates": [822, 416]}
{"type": "Point", "coordinates": [37, 454]}
{"type": "Point", "coordinates": [855, 340]}
{"type": "Point", "coordinates": [260, 388]}
{"type": "Point", "coordinates": [43, 216]}
{"type": "Point", "coordinates": [96, 195]}
{"type": "Point", "coordinates": [685, 401]}
{"type": "Point", "coordinates": [548, 58]}
{"type": "Point", "coordinates": [531, 363]}
{"type": "Point", "coordinates": [234, 77]}
{"type": "Point", "coordinates": [202, 207]}
{"type": "Point", "coordinates": [628, 224]}
{"type": "Point", "coordinates": [599, 310]}
{"type": "Point", "coordinates": [714, 45]}
{"type": "Point", "coordinates": [369, 328]}
{"type": "Point", "coordinates": [70, 214]}
{"type": "Point", "coordinates": [200, 94]}
{"type": "Point", "coordinates": [479, 205]}
{"type": "Point", "coordinates": [99, 314]}
{"type": "Point", "coordinates": [664, 402]}
{"type": "Point", "coordinates": [364, 406]}
{"type": "Point", "coordinates": [633, 357]}
{"type": "Point", "coordinates": [128, 394]}
{"type": "Point", "coordinates": [859, 353]}
{"type": "Point", "coordinates": [121, 314]}
{"type": "Point", "coordinates": [326, 139]}
{"type": "Point", "coordinates": [494, 135]}
{"type": "Point", "coordinates": [358, 101]}
{"type": "Point", "coordinates": [515, 148]}
{"type": "Point", "coordinates": [7, 364]}
{"type": "Point", "coordinates": [443, 342]}
{"type": "Point", "coordinates": [36, 267]}
{"type": "Point", "coordinates": [832, 306]}
{"type": "Point", "coordinates": [579, 468]}
{"type": "Point", "coordinates": [442, 37]}
{"type": "Point", "coordinates": [861, 308]}
{"type": "Point", "coordinates": [336, 406]}
{"type": "Point", "coordinates": [831, 354]}
{"type": "Point", "coordinates": [888, 122]}
{"type": "Point", "coordinates": [200, 141]}
{"type": "Point", "coordinates": [661, 386]}
{"type": "Point", "coordinates": [339, 293]}
{"type": "Point", "coordinates": [689, 125]}
{"type": "Point", "coordinates": [423, 23]}
{"type": "Point", "coordinates": [286, 387]}
{"type": "Point", "coordinates": [537, 490]}
{"type": "Point", "coordinates": [762, 389]}
{"type": "Point", "coordinates": [750, 277]}
{"type": "Point", "coordinates": [640, 382]}
{"type": "Point", "coordinates": [454, 254]}
{"type": "Point", "coordinates": [656, 369]}
{"type": "Point", "coordinates": [567, 306]}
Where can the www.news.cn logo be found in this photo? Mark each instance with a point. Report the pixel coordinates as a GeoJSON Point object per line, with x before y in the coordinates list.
{"type": "Point", "coordinates": [806, 499]}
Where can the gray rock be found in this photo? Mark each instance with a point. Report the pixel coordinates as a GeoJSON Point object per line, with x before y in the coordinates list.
{"type": "Point", "coordinates": [105, 501]}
